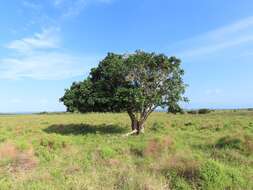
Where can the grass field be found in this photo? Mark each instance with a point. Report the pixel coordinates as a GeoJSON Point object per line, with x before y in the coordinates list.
{"type": "Point", "coordinates": [75, 151]}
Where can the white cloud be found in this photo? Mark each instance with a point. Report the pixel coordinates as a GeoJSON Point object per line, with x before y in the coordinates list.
{"type": "Point", "coordinates": [47, 39]}
{"type": "Point", "coordinates": [45, 66]}
{"type": "Point", "coordinates": [41, 57]}
{"type": "Point", "coordinates": [224, 38]}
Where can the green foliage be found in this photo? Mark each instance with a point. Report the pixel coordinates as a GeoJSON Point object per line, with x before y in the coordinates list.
{"type": "Point", "coordinates": [137, 83]}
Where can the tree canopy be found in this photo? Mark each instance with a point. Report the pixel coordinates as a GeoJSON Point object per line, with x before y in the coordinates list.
{"type": "Point", "coordinates": [135, 83]}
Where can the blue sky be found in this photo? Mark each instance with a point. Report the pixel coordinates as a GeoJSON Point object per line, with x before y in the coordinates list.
{"type": "Point", "coordinates": [46, 45]}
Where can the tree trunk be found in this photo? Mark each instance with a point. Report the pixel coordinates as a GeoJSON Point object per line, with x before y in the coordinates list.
{"type": "Point", "coordinates": [137, 126]}
{"type": "Point", "coordinates": [140, 127]}
{"type": "Point", "coordinates": [134, 124]}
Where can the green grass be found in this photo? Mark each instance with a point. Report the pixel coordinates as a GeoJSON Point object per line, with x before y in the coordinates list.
{"type": "Point", "coordinates": [75, 151]}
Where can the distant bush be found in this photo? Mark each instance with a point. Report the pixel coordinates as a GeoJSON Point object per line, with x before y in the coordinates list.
{"type": "Point", "coordinates": [43, 113]}
{"type": "Point", "coordinates": [204, 111]}
{"type": "Point", "coordinates": [200, 111]}
{"type": "Point", "coordinates": [51, 113]}
{"type": "Point", "coordinates": [250, 109]}
{"type": "Point", "coordinates": [192, 112]}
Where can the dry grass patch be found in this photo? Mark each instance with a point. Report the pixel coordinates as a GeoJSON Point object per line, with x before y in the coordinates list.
{"type": "Point", "coordinates": [16, 160]}
{"type": "Point", "coordinates": [155, 147]}
{"type": "Point", "coordinates": [181, 164]}
{"type": "Point", "coordinates": [8, 151]}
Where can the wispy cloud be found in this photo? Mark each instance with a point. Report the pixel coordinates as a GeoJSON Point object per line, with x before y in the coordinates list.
{"type": "Point", "coordinates": [221, 39]}
{"type": "Point", "coordinates": [47, 39]}
{"type": "Point", "coordinates": [32, 5]}
{"type": "Point", "coordinates": [41, 57]}
{"type": "Point", "coordinates": [45, 66]}
{"type": "Point", "coordinates": [72, 8]}
{"type": "Point", "coordinates": [60, 11]}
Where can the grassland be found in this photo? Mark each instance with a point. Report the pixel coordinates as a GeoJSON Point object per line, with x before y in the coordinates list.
{"type": "Point", "coordinates": [75, 151]}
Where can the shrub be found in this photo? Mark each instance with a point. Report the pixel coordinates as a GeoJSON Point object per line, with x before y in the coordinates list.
{"type": "Point", "coordinates": [43, 113]}
{"type": "Point", "coordinates": [204, 111]}
{"type": "Point", "coordinates": [200, 111]}
{"type": "Point", "coordinates": [192, 112]}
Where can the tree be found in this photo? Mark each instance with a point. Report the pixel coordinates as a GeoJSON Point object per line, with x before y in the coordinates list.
{"type": "Point", "coordinates": [134, 83]}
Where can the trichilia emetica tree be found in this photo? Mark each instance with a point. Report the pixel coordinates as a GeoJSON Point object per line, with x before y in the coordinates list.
{"type": "Point", "coordinates": [135, 83]}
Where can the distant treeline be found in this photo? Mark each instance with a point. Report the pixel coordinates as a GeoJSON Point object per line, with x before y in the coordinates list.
{"type": "Point", "coordinates": [206, 110]}
{"type": "Point", "coordinates": [200, 111]}
{"type": "Point", "coordinates": [193, 111]}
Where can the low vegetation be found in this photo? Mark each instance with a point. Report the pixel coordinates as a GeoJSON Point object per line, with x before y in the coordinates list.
{"type": "Point", "coordinates": [88, 151]}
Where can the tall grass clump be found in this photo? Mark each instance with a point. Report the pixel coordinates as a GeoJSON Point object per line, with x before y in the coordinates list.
{"type": "Point", "coordinates": [214, 175]}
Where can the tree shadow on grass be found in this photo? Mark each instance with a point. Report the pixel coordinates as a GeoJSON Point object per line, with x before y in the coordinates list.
{"type": "Point", "coordinates": [83, 129]}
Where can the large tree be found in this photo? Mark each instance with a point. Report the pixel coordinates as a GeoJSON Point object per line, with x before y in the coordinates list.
{"type": "Point", "coordinates": [134, 83]}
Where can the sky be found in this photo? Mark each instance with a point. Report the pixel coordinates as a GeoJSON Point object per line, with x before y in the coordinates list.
{"type": "Point", "coordinates": [46, 45]}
